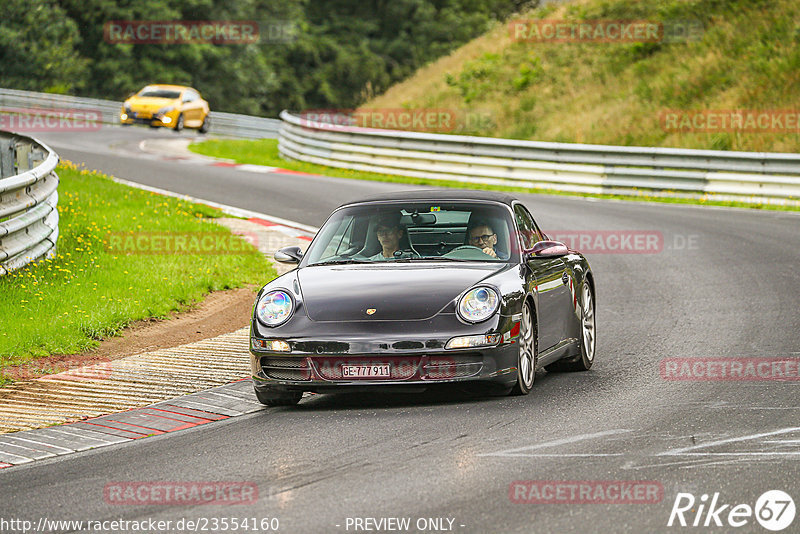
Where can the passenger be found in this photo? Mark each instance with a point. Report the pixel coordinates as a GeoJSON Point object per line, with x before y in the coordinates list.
{"type": "Point", "coordinates": [480, 234]}
{"type": "Point", "coordinates": [389, 231]}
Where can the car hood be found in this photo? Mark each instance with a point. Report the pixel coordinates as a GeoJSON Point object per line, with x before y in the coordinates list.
{"type": "Point", "coordinates": [395, 292]}
{"type": "Point", "coordinates": [147, 103]}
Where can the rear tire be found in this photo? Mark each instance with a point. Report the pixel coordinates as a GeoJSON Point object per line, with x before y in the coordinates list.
{"type": "Point", "coordinates": [206, 125]}
{"type": "Point", "coordinates": [528, 352]}
{"type": "Point", "coordinates": [588, 341]}
{"type": "Point", "coordinates": [284, 398]}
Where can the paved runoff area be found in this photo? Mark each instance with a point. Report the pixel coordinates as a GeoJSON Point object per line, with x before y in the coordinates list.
{"type": "Point", "coordinates": [148, 393]}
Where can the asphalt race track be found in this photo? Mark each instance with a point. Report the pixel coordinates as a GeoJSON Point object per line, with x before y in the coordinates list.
{"type": "Point", "coordinates": [721, 283]}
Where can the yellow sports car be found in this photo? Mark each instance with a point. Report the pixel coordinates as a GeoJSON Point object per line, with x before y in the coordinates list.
{"type": "Point", "coordinates": [170, 106]}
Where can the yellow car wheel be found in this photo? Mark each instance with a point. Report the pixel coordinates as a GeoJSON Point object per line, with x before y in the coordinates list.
{"type": "Point", "coordinates": [206, 124]}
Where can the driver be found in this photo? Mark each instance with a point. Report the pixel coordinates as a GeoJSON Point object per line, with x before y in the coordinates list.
{"type": "Point", "coordinates": [389, 231]}
{"type": "Point", "coordinates": [480, 234]}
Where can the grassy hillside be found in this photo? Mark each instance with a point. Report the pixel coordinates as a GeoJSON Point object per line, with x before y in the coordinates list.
{"type": "Point", "coordinates": [747, 56]}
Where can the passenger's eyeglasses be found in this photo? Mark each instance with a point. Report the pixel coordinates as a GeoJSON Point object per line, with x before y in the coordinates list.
{"type": "Point", "coordinates": [480, 238]}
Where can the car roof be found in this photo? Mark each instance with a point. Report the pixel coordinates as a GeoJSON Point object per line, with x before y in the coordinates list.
{"type": "Point", "coordinates": [438, 195]}
{"type": "Point", "coordinates": [168, 86]}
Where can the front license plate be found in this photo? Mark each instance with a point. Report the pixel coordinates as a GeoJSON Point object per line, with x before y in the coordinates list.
{"type": "Point", "coordinates": [365, 371]}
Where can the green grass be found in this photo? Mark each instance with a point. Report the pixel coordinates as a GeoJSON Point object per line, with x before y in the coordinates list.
{"type": "Point", "coordinates": [90, 291]}
{"type": "Point", "coordinates": [744, 56]}
{"type": "Point", "coordinates": [265, 152]}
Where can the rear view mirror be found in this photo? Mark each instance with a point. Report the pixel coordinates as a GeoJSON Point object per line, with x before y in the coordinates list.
{"type": "Point", "coordinates": [548, 249]}
{"type": "Point", "coordinates": [418, 219]}
{"type": "Point", "coordinates": [289, 255]}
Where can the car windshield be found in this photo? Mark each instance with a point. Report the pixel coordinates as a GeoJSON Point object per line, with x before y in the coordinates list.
{"type": "Point", "coordinates": [406, 232]}
{"type": "Point", "coordinates": [158, 92]}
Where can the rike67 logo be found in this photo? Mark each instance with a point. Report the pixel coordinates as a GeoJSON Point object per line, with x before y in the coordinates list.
{"type": "Point", "coordinates": [774, 510]}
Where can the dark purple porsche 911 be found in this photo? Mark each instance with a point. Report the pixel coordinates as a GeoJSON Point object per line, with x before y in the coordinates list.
{"type": "Point", "coordinates": [418, 288]}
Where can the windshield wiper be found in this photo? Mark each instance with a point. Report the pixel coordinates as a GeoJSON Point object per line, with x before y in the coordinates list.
{"type": "Point", "coordinates": [430, 258]}
{"type": "Point", "coordinates": [339, 262]}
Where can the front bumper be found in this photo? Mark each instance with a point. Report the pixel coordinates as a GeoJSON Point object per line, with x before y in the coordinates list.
{"type": "Point", "coordinates": [150, 119]}
{"type": "Point", "coordinates": [316, 364]}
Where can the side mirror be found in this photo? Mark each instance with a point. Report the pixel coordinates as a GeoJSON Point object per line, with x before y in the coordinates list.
{"type": "Point", "coordinates": [289, 255]}
{"type": "Point", "coordinates": [548, 249]}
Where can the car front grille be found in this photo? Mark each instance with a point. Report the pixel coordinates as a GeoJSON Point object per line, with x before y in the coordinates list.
{"type": "Point", "coordinates": [430, 368]}
{"type": "Point", "coordinates": [405, 368]}
{"type": "Point", "coordinates": [399, 369]}
{"type": "Point", "coordinates": [286, 368]}
{"type": "Point", "coordinates": [442, 367]}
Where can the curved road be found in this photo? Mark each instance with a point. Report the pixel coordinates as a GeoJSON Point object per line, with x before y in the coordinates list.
{"type": "Point", "coordinates": [723, 283]}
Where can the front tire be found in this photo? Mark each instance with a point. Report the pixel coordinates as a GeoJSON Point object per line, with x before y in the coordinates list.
{"type": "Point", "coordinates": [179, 123]}
{"type": "Point", "coordinates": [528, 352]}
{"type": "Point", "coordinates": [206, 125]}
{"type": "Point", "coordinates": [283, 398]}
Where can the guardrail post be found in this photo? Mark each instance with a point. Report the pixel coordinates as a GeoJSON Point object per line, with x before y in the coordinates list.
{"type": "Point", "coordinates": [23, 153]}
{"type": "Point", "coordinates": [7, 162]}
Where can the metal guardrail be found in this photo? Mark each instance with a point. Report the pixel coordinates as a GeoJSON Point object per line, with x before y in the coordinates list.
{"type": "Point", "coordinates": [744, 176]}
{"type": "Point", "coordinates": [230, 124]}
{"type": "Point", "coordinates": [28, 199]}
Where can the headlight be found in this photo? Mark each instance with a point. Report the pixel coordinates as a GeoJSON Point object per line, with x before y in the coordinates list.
{"type": "Point", "coordinates": [275, 308]}
{"type": "Point", "coordinates": [468, 342]}
{"type": "Point", "coordinates": [478, 304]}
{"type": "Point", "coordinates": [165, 110]}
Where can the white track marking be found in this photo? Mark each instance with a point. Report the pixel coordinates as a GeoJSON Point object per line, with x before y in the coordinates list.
{"type": "Point", "coordinates": [521, 451]}
{"type": "Point", "coordinates": [686, 450]}
{"type": "Point", "coordinates": [263, 169]}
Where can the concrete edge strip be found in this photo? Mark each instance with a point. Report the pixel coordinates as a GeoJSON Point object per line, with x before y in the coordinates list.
{"type": "Point", "coordinates": [189, 411]}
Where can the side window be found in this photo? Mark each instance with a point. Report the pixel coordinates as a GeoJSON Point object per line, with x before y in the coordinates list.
{"type": "Point", "coordinates": [347, 239]}
{"type": "Point", "coordinates": [539, 234]}
{"type": "Point", "coordinates": [339, 239]}
{"type": "Point", "coordinates": [527, 228]}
